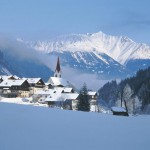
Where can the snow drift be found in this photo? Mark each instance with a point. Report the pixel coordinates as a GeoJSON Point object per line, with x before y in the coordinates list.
{"type": "Point", "coordinates": [27, 127]}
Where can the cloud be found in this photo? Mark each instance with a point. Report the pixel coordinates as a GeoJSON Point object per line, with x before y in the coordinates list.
{"type": "Point", "coordinates": [17, 49]}
{"type": "Point", "coordinates": [21, 51]}
{"type": "Point", "coordinates": [78, 79]}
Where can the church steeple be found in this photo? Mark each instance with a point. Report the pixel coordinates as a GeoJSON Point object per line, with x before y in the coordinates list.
{"type": "Point", "coordinates": [58, 69]}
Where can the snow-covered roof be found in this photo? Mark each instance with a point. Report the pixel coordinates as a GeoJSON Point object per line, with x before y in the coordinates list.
{"type": "Point", "coordinates": [9, 83]}
{"type": "Point", "coordinates": [67, 89]}
{"type": "Point", "coordinates": [91, 93]}
{"type": "Point", "coordinates": [33, 80]}
{"type": "Point", "coordinates": [5, 77]}
{"type": "Point", "coordinates": [16, 77]}
{"type": "Point", "coordinates": [58, 81]}
{"type": "Point", "coordinates": [118, 109]}
{"type": "Point", "coordinates": [57, 95]}
{"type": "Point", "coordinates": [70, 96]}
{"type": "Point", "coordinates": [47, 84]}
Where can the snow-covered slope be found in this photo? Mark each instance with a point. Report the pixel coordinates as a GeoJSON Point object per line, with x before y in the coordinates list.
{"type": "Point", "coordinates": [99, 64]}
{"type": "Point", "coordinates": [120, 48]}
{"type": "Point", "coordinates": [34, 128]}
{"type": "Point", "coordinates": [104, 56]}
{"type": "Point", "coordinates": [107, 56]}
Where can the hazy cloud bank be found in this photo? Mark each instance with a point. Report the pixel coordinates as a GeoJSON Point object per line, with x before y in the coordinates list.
{"type": "Point", "coordinates": [78, 79]}
{"type": "Point", "coordinates": [19, 50]}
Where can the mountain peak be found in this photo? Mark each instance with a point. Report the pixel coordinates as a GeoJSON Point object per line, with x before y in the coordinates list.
{"type": "Point", "coordinates": [120, 48]}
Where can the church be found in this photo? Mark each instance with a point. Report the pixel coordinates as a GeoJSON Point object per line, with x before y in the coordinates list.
{"type": "Point", "coordinates": [57, 80]}
{"type": "Point", "coordinates": [61, 92]}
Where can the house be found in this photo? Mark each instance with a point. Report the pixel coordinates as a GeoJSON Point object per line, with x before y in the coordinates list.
{"type": "Point", "coordinates": [93, 100]}
{"type": "Point", "coordinates": [35, 84]}
{"type": "Point", "coordinates": [14, 88]}
{"type": "Point", "coordinates": [70, 100]}
{"type": "Point", "coordinates": [120, 111]}
{"type": "Point", "coordinates": [41, 95]}
{"type": "Point", "coordinates": [92, 95]}
{"type": "Point", "coordinates": [59, 99]}
{"type": "Point", "coordinates": [55, 97]}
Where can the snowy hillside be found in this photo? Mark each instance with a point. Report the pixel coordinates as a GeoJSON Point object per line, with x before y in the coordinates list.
{"type": "Point", "coordinates": [92, 56]}
{"type": "Point", "coordinates": [99, 64]}
{"type": "Point", "coordinates": [109, 57]}
{"type": "Point", "coordinates": [120, 48]}
{"type": "Point", "coordinates": [34, 128]}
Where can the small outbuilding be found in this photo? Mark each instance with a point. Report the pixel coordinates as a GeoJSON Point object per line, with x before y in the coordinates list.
{"type": "Point", "coordinates": [120, 111]}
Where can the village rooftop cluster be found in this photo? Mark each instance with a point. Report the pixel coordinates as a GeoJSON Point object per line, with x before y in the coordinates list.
{"type": "Point", "coordinates": [57, 92]}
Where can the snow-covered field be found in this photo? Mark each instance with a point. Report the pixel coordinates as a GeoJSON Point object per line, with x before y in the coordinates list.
{"type": "Point", "coordinates": [24, 101]}
{"type": "Point", "coordinates": [25, 127]}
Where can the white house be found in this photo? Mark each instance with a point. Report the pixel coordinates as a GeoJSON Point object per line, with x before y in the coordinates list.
{"type": "Point", "coordinates": [36, 84]}
{"type": "Point", "coordinates": [59, 98]}
{"type": "Point", "coordinates": [15, 88]}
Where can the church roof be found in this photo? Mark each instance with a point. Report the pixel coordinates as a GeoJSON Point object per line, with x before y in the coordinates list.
{"type": "Point", "coordinates": [58, 81]}
{"type": "Point", "coordinates": [58, 65]}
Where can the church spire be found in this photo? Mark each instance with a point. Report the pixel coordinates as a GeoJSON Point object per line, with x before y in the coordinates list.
{"type": "Point", "coordinates": [58, 69]}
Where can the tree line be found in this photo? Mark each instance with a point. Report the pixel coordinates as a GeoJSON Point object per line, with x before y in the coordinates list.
{"type": "Point", "coordinates": [134, 91]}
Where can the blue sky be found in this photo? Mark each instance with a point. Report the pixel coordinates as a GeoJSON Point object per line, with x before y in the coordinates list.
{"type": "Point", "coordinates": [44, 19]}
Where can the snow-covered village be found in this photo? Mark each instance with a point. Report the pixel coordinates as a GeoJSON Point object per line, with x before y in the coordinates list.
{"type": "Point", "coordinates": [74, 75]}
{"type": "Point", "coordinates": [57, 92]}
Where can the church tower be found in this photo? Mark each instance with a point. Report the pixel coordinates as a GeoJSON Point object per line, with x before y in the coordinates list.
{"type": "Point", "coordinates": [58, 69]}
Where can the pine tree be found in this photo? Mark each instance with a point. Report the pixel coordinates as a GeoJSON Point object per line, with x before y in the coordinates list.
{"type": "Point", "coordinates": [144, 93]}
{"type": "Point", "coordinates": [84, 104]}
{"type": "Point", "coordinates": [109, 93]}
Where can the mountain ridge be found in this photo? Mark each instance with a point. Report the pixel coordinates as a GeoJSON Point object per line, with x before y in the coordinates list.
{"type": "Point", "coordinates": [83, 56]}
{"type": "Point", "coordinates": [120, 48]}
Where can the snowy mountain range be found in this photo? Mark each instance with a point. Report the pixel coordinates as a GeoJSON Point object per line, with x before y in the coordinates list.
{"type": "Point", "coordinates": [105, 55]}
{"type": "Point", "coordinates": [122, 49]}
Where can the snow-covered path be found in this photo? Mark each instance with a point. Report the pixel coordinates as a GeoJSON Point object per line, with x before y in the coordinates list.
{"type": "Point", "coordinates": [25, 127]}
